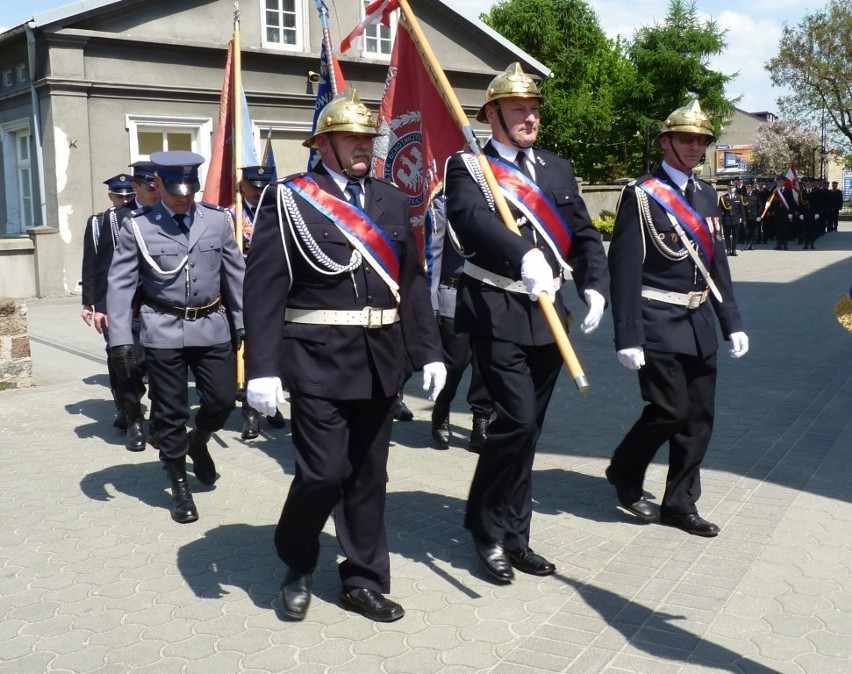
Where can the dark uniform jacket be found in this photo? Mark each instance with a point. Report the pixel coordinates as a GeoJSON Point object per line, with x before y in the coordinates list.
{"type": "Point", "coordinates": [636, 260]}
{"type": "Point", "coordinates": [338, 362]}
{"type": "Point", "coordinates": [214, 268]}
{"type": "Point", "coordinates": [733, 208]}
{"type": "Point", "coordinates": [91, 242]}
{"type": "Point", "coordinates": [510, 316]}
{"type": "Point", "coordinates": [110, 224]}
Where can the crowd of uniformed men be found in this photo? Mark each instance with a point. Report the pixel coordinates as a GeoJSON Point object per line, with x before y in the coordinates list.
{"type": "Point", "coordinates": [768, 211]}
{"type": "Point", "coordinates": [326, 294]}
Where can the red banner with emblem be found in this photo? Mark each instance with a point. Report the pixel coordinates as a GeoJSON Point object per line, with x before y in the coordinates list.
{"type": "Point", "coordinates": [418, 131]}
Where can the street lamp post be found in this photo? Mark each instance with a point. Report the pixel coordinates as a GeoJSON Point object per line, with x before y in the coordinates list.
{"type": "Point", "coordinates": [650, 125]}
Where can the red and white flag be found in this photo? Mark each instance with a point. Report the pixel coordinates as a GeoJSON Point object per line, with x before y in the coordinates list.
{"type": "Point", "coordinates": [377, 12]}
{"type": "Point", "coordinates": [418, 132]}
{"type": "Point", "coordinates": [791, 181]}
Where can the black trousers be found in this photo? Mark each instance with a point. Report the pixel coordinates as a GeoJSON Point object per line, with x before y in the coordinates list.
{"type": "Point", "coordinates": [680, 391]}
{"type": "Point", "coordinates": [215, 373]}
{"type": "Point", "coordinates": [520, 381]}
{"type": "Point", "coordinates": [128, 392]}
{"type": "Point", "coordinates": [341, 451]}
{"type": "Point", "coordinates": [457, 355]}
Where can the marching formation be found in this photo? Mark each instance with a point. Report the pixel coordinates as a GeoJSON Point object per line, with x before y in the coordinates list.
{"type": "Point", "coordinates": [327, 302]}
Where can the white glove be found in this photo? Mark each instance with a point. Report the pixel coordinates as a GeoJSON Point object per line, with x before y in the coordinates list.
{"type": "Point", "coordinates": [536, 274]}
{"type": "Point", "coordinates": [757, 219]}
{"type": "Point", "coordinates": [739, 344]}
{"type": "Point", "coordinates": [434, 377]}
{"type": "Point", "coordinates": [816, 216]}
{"type": "Point", "coordinates": [632, 358]}
{"type": "Point", "coordinates": [264, 394]}
{"type": "Point", "coordinates": [596, 304]}
{"type": "Point", "coordinates": [801, 217]}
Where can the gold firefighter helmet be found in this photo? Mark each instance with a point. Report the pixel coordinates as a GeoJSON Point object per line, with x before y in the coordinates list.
{"type": "Point", "coordinates": [512, 82]}
{"type": "Point", "coordinates": [689, 119]}
{"type": "Point", "coordinates": [344, 112]}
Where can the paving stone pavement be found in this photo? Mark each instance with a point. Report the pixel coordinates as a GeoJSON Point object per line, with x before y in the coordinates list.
{"type": "Point", "coordinates": [96, 578]}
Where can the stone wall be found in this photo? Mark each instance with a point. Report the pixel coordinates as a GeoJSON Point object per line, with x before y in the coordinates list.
{"type": "Point", "coordinates": [16, 368]}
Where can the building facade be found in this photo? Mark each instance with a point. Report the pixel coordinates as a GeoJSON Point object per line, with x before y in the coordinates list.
{"type": "Point", "coordinates": [93, 86]}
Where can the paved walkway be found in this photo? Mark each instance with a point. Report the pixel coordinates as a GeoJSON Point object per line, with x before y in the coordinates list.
{"type": "Point", "coordinates": [95, 577]}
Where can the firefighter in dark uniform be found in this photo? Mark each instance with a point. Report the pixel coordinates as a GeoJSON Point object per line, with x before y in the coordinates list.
{"type": "Point", "coordinates": [444, 263]}
{"type": "Point", "coordinates": [254, 181]}
{"type": "Point", "coordinates": [185, 258]}
{"type": "Point", "coordinates": [809, 211]}
{"type": "Point", "coordinates": [835, 205]}
{"type": "Point", "coordinates": [101, 230]}
{"type": "Point", "coordinates": [781, 213]}
{"type": "Point", "coordinates": [732, 205]}
{"type": "Point", "coordinates": [503, 275]}
{"type": "Point", "coordinates": [337, 309]}
{"type": "Point", "coordinates": [754, 203]}
{"type": "Point", "coordinates": [128, 392]}
{"type": "Point", "coordinates": [670, 276]}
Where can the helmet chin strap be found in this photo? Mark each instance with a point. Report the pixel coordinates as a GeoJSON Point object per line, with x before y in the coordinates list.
{"type": "Point", "coordinates": [506, 129]}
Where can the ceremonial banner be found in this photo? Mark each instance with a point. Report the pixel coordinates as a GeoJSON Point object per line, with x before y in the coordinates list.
{"type": "Point", "coordinates": [418, 133]}
{"type": "Point", "coordinates": [331, 81]}
{"type": "Point", "coordinates": [220, 186]}
{"type": "Point", "coordinates": [791, 181]}
{"type": "Point", "coordinates": [377, 12]}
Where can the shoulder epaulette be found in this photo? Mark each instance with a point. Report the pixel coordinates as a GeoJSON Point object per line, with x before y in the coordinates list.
{"type": "Point", "coordinates": [139, 211]}
{"type": "Point", "coordinates": [215, 207]}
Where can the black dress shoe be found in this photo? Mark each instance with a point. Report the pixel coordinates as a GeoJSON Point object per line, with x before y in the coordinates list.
{"type": "Point", "coordinates": [630, 497]}
{"type": "Point", "coordinates": [296, 594]}
{"type": "Point", "coordinates": [402, 413]}
{"type": "Point", "coordinates": [251, 423]}
{"type": "Point", "coordinates": [135, 440]}
{"type": "Point", "coordinates": [494, 560]}
{"type": "Point", "coordinates": [202, 462]}
{"type": "Point", "coordinates": [276, 420]}
{"type": "Point", "coordinates": [524, 559]}
{"type": "Point", "coordinates": [441, 435]}
{"type": "Point", "coordinates": [478, 433]}
{"type": "Point", "coordinates": [691, 523]}
{"type": "Point", "coordinates": [120, 422]}
{"type": "Point", "coordinates": [371, 604]}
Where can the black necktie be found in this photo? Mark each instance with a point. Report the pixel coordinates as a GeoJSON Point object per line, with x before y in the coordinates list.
{"type": "Point", "coordinates": [354, 190]}
{"type": "Point", "coordinates": [690, 192]}
{"type": "Point", "coordinates": [521, 163]}
{"type": "Point", "coordinates": [180, 220]}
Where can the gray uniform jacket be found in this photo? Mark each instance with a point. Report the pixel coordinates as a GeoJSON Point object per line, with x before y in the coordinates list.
{"type": "Point", "coordinates": [213, 267]}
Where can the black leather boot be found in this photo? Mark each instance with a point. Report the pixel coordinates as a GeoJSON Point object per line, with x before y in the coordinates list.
{"type": "Point", "coordinates": [441, 433]}
{"type": "Point", "coordinates": [251, 422]}
{"type": "Point", "coordinates": [135, 439]}
{"type": "Point", "coordinates": [120, 421]}
{"type": "Point", "coordinates": [478, 433]}
{"type": "Point", "coordinates": [202, 462]}
{"type": "Point", "coordinates": [183, 507]}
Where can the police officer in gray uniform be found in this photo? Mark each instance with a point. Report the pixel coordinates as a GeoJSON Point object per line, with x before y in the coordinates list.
{"type": "Point", "coordinates": [184, 256]}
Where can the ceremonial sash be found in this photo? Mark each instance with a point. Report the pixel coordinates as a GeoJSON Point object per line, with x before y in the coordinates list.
{"type": "Point", "coordinates": [247, 222]}
{"type": "Point", "coordinates": [532, 202]}
{"type": "Point", "coordinates": [674, 203]}
{"type": "Point", "coordinates": [365, 234]}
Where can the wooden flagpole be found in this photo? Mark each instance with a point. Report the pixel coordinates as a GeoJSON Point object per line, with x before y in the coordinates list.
{"type": "Point", "coordinates": [443, 85]}
{"type": "Point", "coordinates": [238, 169]}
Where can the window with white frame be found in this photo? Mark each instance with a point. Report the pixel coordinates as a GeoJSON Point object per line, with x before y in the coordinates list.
{"type": "Point", "coordinates": [21, 72]}
{"type": "Point", "coordinates": [378, 39]}
{"type": "Point", "coordinates": [7, 78]}
{"type": "Point", "coordinates": [283, 24]}
{"type": "Point", "coordinates": [23, 166]}
{"type": "Point", "coordinates": [149, 134]}
{"type": "Point", "coordinates": [17, 176]}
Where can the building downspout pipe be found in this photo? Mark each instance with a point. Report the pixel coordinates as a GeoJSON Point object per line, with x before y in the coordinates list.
{"type": "Point", "coordinates": [31, 58]}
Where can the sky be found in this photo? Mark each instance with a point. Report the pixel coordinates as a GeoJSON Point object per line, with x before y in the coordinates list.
{"type": "Point", "coordinates": [753, 32]}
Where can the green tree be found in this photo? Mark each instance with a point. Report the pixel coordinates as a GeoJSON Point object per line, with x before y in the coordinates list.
{"type": "Point", "coordinates": [815, 62]}
{"type": "Point", "coordinates": [671, 59]}
{"type": "Point", "coordinates": [579, 115]}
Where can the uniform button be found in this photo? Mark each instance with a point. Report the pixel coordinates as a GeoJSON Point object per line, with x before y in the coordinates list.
{"type": "Point", "coordinates": [192, 264]}
{"type": "Point", "coordinates": [370, 299]}
{"type": "Point", "coordinates": [368, 269]}
{"type": "Point", "coordinates": [325, 235]}
{"type": "Point", "coordinates": [396, 235]}
{"type": "Point", "coordinates": [194, 279]}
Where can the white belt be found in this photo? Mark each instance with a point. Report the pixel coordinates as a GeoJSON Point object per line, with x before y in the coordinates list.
{"type": "Point", "coordinates": [368, 317]}
{"type": "Point", "coordinates": [502, 282]}
{"type": "Point", "coordinates": [691, 300]}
